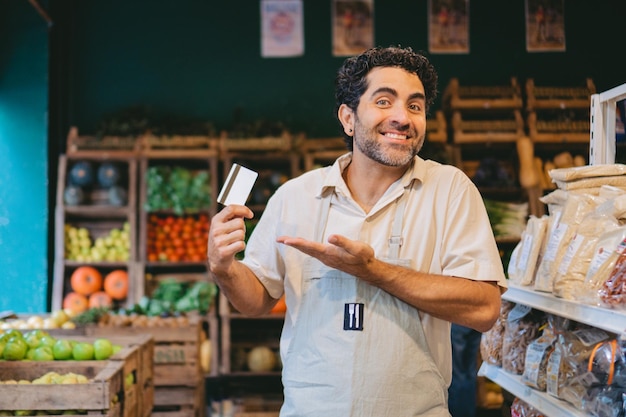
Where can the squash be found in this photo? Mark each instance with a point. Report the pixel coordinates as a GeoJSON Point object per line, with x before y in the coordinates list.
{"type": "Point", "coordinates": [543, 184]}
{"type": "Point", "coordinates": [547, 167]}
{"type": "Point", "coordinates": [525, 152]}
{"type": "Point", "coordinates": [86, 280]}
{"type": "Point", "coordinates": [564, 160]}
{"type": "Point", "coordinates": [261, 359]}
{"type": "Point", "coordinates": [75, 303]}
{"type": "Point", "coordinates": [100, 299]}
{"type": "Point", "coordinates": [579, 161]}
{"type": "Point", "coordinates": [116, 284]}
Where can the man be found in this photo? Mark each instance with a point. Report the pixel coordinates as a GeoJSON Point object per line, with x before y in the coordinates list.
{"type": "Point", "coordinates": [376, 256]}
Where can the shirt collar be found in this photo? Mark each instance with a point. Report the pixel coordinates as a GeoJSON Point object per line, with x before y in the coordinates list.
{"type": "Point", "coordinates": [334, 179]}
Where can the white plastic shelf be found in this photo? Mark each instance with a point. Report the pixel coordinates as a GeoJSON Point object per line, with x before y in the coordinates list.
{"type": "Point", "coordinates": [545, 403]}
{"type": "Point", "coordinates": [610, 320]}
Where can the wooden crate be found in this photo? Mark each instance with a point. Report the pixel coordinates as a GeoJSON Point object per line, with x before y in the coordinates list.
{"type": "Point", "coordinates": [507, 127]}
{"type": "Point", "coordinates": [176, 350]}
{"type": "Point", "coordinates": [179, 401]}
{"type": "Point", "coordinates": [136, 356]}
{"type": "Point", "coordinates": [277, 143]}
{"type": "Point", "coordinates": [321, 151]}
{"type": "Point", "coordinates": [555, 131]}
{"type": "Point", "coordinates": [103, 395]}
{"type": "Point", "coordinates": [437, 128]}
{"type": "Point", "coordinates": [99, 147]}
{"type": "Point", "coordinates": [542, 97]}
{"type": "Point", "coordinates": [461, 97]}
{"type": "Point", "coordinates": [178, 146]}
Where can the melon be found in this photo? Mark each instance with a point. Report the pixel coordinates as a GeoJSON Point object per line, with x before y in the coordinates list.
{"type": "Point", "coordinates": [81, 173]}
{"type": "Point", "coordinates": [73, 195]}
{"type": "Point", "coordinates": [261, 359]}
{"type": "Point", "coordinates": [117, 196]}
{"type": "Point", "coordinates": [108, 174]}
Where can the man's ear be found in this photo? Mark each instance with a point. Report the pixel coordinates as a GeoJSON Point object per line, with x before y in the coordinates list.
{"type": "Point", "coordinates": [346, 117]}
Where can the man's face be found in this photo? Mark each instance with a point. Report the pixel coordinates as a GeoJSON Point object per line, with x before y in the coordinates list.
{"type": "Point", "coordinates": [390, 121]}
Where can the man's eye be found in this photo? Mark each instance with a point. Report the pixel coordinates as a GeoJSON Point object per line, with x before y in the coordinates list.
{"type": "Point", "coordinates": [382, 102]}
{"type": "Point", "coordinates": [415, 107]}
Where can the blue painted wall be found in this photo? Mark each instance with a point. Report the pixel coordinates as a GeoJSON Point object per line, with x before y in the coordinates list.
{"type": "Point", "coordinates": [23, 158]}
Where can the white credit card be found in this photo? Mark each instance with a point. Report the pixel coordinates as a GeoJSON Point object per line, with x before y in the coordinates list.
{"type": "Point", "coordinates": [238, 185]}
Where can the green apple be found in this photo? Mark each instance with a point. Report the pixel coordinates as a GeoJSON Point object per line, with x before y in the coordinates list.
{"type": "Point", "coordinates": [103, 349]}
{"type": "Point", "coordinates": [47, 340]}
{"type": "Point", "coordinates": [83, 351]}
{"type": "Point", "coordinates": [62, 350]}
{"type": "Point", "coordinates": [15, 349]}
{"type": "Point", "coordinates": [43, 353]}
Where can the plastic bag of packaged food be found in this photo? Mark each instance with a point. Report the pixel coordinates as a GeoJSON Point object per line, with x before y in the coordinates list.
{"type": "Point", "coordinates": [539, 351]}
{"type": "Point", "coordinates": [606, 253]}
{"type": "Point", "coordinates": [572, 269]}
{"type": "Point", "coordinates": [521, 328]}
{"type": "Point", "coordinates": [570, 358]}
{"type": "Point", "coordinates": [612, 294]}
{"type": "Point", "coordinates": [522, 270]}
{"type": "Point", "coordinates": [608, 401]}
{"type": "Point", "coordinates": [491, 340]}
{"type": "Point", "coordinates": [563, 229]}
{"type": "Point", "coordinates": [520, 408]}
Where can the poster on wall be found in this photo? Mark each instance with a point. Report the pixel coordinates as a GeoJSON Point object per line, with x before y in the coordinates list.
{"type": "Point", "coordinates": [282, 32]}
{"type": "Point", "coordinates": [545, 25]}
{"type": "Point", "coordinates": [448, 26]}
{"type": "Point", "coordinates": [352, 26]}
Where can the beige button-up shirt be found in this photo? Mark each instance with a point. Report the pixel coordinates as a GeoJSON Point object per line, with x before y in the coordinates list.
{"type": "Point", "coordinates": [445, 231]}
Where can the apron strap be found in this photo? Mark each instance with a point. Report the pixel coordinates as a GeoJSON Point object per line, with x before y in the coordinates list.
{"type": "Point", "coordinates": [395, 240]}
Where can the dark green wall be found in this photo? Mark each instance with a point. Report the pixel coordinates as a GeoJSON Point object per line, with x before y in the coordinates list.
{"type": "Point", "coordinates": [202, 59]}
{"type": "Point", "coordinates": [23, 158]}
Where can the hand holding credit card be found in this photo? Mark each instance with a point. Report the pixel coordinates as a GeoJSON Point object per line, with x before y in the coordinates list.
{"type": "Point", "coordinates": [237, 186]}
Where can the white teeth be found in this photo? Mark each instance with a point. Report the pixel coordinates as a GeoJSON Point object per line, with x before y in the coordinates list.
{"type": "Point", "coordinates": [395, 136]}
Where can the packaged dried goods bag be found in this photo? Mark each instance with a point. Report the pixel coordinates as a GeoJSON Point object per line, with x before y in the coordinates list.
{"type": "Point", "coordinates": [521, 328]}
{"type": "Point", "coordinates": [612, 293]}
{"type": "Point", "coordinates": [600, 368]}
{"type": "Point", "coordinates": [569, 360]}
{"type": "Point", "coordinates": [539, 351]}
{"type": "Point", "coordinates": [572, 269]}
{"type": "Point", "coordinates": [563, 229]}
{"type": "Point", "coordinates": [520, 408]}
{"type": "Point", "coordinates": [532, 242]}
{"type": "Point", "coordinates": [606, 253]}
{"type": "Point", "coordinates": [491, 340]}
{"type": "Point", "coordinates": [587, 171]}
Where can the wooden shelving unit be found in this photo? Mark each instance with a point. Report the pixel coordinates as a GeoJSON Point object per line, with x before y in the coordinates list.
{"type": "Point", "coordinates": [97, 215]}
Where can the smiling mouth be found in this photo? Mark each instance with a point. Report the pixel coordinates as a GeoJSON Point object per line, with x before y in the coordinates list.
{"type": "Point", "coordinates": [395, 136]}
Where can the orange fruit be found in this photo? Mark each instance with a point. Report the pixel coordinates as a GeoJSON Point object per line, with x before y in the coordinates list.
{"type": "Point", "coordinates": [75, 302]}
{"type": "Point", "coordinates": [86, 280]}
{"type": "Point", "coordinates": [116, 284]}
{"type": "Point", "coordinates": [100, 299]}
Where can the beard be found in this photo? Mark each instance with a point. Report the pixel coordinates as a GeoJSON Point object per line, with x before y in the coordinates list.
{"type": "Point", "coordinates": [388, 154]}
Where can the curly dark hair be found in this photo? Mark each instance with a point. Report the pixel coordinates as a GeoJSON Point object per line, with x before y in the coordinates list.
{"type": "Point", "coordinates": [351, 82]}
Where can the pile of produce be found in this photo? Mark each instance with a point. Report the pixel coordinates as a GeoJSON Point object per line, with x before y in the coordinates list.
{"type": "Point", "coordinates": [91, 289]}
{"type": "Point", "coordinates": [85, 176]}
{"type": "Point", "coordinates": [168, 307]}
{"type": "Point", "coordinates": [178, 189]}
{"type": "Point", "coordinates": [61, 318]}
{"type": "Point", "coordinates": [177, 238]}
{"type": "Point", "coordinates": [114, 247]}
{"type": "Point", "coordinates": [508, 220]}
{"type": "Point", "coordinates": [39, 345]}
